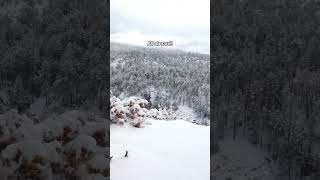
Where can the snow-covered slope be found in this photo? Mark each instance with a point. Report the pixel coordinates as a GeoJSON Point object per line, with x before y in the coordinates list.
{"type": "Point", "coordinates": [240, 160]}
{"type": "Point", "coordinates": [186, 113]}
{"type": "Point", "coordinates": [71, 145]}
{"type": "Point", "coordinates": [163, 150]}
{"type": "Point", "coordinates": [166, 77]}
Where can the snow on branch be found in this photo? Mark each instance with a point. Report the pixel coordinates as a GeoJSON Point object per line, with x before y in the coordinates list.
{"type": "Point", "coordinates": [133, 111]}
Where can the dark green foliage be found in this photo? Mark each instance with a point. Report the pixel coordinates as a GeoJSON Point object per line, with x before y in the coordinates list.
{"type": "Point", "coordinates": [147, 96]}
{"type": "Point", "coordinates": [175, 106]}
{"type": "Point", "coordinates": [18, 96]}
{"type": "Point", "coordinates": [58, 48]}
{"type": "Point", "coordinates": [215, 148]}
{"type": "Point", "coordinates": [265, 72]}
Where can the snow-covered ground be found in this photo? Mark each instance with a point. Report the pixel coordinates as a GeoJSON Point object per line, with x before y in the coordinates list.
{"type": "Point", "coordinates": [240, 160]}
{"type": "Point", "coordinates": [186, 113]}
{"type": "Point", "coordinates": [71, 145]}
{"type": "Point", "coordinates": [162, 150]}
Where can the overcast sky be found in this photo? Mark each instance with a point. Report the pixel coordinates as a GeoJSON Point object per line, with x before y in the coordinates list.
{"type": "Point", "coordinates": [185, 22]}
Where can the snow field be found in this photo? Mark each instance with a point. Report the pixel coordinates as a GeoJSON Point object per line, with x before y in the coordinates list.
{"type": "Point", "coordinates": [168, 150]}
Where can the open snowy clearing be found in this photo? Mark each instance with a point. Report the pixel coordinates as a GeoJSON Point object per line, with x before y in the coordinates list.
{"type": "Point", "coordinates": [168, 150]}
{"type": "Point", "coordinates": [240, 160]}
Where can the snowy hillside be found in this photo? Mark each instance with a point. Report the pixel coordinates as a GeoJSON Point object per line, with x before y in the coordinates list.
{"type": "Point", "coordinates": [71, 145]}
{"type": "Point", "coordinates": [165, 77]}
{"type": "Point", "coordinates": [169, 150]}
{"type": "Point", "coordinates": [241, 160]}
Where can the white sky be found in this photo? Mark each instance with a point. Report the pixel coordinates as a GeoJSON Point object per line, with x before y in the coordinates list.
{"type": "Point", "coordinates": [185, 22]}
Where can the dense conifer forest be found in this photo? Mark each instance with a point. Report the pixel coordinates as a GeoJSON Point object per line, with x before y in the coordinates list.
{"type": "Point", "coordinates": [163, 77]}
{"type": "Point", "coordinates": [265, 78]}
{"type": "Point", "coordinates": [57, 49]}
{"type": "Point", "coordinates": [54, 89]}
